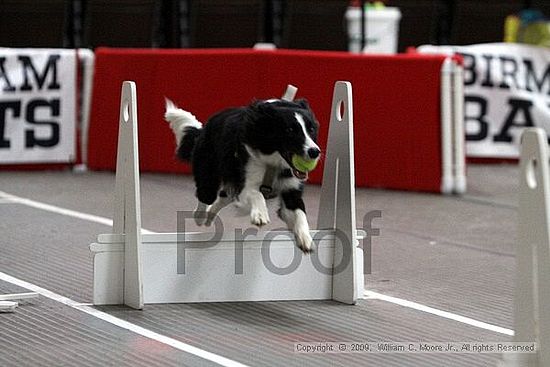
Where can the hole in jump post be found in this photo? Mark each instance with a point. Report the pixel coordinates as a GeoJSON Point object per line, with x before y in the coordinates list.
{"type": "Point", "coordinates": [530, 173]}
{"type": "Point", "coordinates": [126, 111]}
{"type": "Point", "coordinates": [340, 110]}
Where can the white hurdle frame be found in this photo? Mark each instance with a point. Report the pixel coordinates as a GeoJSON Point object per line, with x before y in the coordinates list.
{"type": "Point", "coordinates": [453, 156]}
{"type": "Point", "coordinates": [532, 297]}
{"type": "Point", "coordinates": [132, 268]}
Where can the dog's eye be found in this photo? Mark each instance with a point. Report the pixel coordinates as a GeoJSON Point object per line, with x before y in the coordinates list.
{"type": "Point", "coordinates": [291, 129]}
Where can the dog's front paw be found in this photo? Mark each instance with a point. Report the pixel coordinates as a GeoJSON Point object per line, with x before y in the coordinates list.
{"type": "Point", "coordinates": [259, 217]}
{"type": "Point", "coordinates": [304, 241]}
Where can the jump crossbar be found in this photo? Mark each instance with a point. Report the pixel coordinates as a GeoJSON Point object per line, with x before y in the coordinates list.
{"type": "Point", "coordinates": [133, 269]}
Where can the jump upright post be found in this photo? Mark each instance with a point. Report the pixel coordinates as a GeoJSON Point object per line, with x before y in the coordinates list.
{"type": "Point", "coordinates": [532, 297]}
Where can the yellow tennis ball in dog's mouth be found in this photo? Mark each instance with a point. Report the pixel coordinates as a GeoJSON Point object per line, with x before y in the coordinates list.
{"type": "Point", "coordinates": [303, 164]}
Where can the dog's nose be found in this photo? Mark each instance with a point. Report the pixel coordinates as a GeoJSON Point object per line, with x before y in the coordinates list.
{"type": "Point", "coordinates": [313, 153]}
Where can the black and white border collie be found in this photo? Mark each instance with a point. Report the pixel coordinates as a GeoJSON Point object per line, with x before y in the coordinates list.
{"type": "Point", "coordinates": [245, 154]}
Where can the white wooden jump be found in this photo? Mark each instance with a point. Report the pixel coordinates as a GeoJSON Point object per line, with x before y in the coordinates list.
{"type": "Point", "coordinates": [132, 268]}
{"type": "Point", "coordinates": [453, 158]}
{"type": "Point", "coordinates": [532, 298]}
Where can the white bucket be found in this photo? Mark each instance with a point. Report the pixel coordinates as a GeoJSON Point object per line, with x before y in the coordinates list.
{"type": "Point", "coordinates": [381, 30]}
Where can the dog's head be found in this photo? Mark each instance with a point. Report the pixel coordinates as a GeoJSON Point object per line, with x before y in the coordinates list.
{"type": "Point", "coordinates": [285, 127]}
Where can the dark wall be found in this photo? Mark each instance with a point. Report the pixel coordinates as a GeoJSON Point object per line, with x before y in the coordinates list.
{"type": "Point", "coordinates": [480, 21]}
{"type": "Point", "coordinates": [225, 23]}
{"type": "Point", "coordinates": [32, 23]}
{"type": "Point", "coordinates": [121, 23]}
{"type": "Point", "coordinates": [304, 24]}
{"type": "Point", "coordinates": [314, 24]}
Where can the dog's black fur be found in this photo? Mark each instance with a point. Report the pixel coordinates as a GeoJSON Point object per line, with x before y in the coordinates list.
{"type": "Point", "coordinates": [238, 143]}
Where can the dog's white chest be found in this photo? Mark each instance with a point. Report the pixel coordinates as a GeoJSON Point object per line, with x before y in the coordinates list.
{"type": "Point", "coordinates": [269, 167]}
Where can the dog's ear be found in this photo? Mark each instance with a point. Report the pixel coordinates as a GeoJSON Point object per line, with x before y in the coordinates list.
{"type": "Point", "coordinates": [302, 102]}
{"type": "Point", "coordinates": [262, 109]}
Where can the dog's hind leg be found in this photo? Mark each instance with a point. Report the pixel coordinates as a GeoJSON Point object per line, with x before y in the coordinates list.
{"type": "Point", "coordinates": [293, 213]}
{"type": "Point", "coordinates": [221, 202]}
{"type": "Point", "coordinates": [201, 214]}
{"type": "Point", "coordinates": [207, 183]}
{"type": "Point", "coordinates": [207, 194]}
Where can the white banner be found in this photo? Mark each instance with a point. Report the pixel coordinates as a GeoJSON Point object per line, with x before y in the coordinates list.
{"type": "Point", "coordinates": [506, 88]}
{"type": "Point", "coordinates": [37, 105]}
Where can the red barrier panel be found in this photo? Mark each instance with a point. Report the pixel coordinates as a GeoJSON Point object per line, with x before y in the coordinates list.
{"type": "Point", "coordinates": [396, 104]}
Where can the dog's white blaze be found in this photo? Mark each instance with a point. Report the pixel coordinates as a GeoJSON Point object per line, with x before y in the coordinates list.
{"type": "Point", "coordinates": [309, 142]}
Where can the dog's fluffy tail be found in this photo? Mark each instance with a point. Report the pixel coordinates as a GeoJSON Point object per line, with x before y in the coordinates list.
{"type": "Point", "coordinates": [186, 129]}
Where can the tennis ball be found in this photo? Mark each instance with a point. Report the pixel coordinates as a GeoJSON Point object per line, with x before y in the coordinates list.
{"type": "Point", "coordinates": [302, 164]}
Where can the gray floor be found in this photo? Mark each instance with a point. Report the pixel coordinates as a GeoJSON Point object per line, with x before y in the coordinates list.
{"type": "Point", "coordinates": [451, 253]}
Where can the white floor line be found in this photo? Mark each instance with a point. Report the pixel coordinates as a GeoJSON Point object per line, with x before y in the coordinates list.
{"type": "Point", "coordinates": [7, 201]}
{"type": "Point", "coordinates": [9, 198]}
{"type": "Point", "coordinates": [437, 312]}
{"type": "Point", "coordinates": [222, 361]}
{"type": "Point", "coordinates": [368, 294]}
